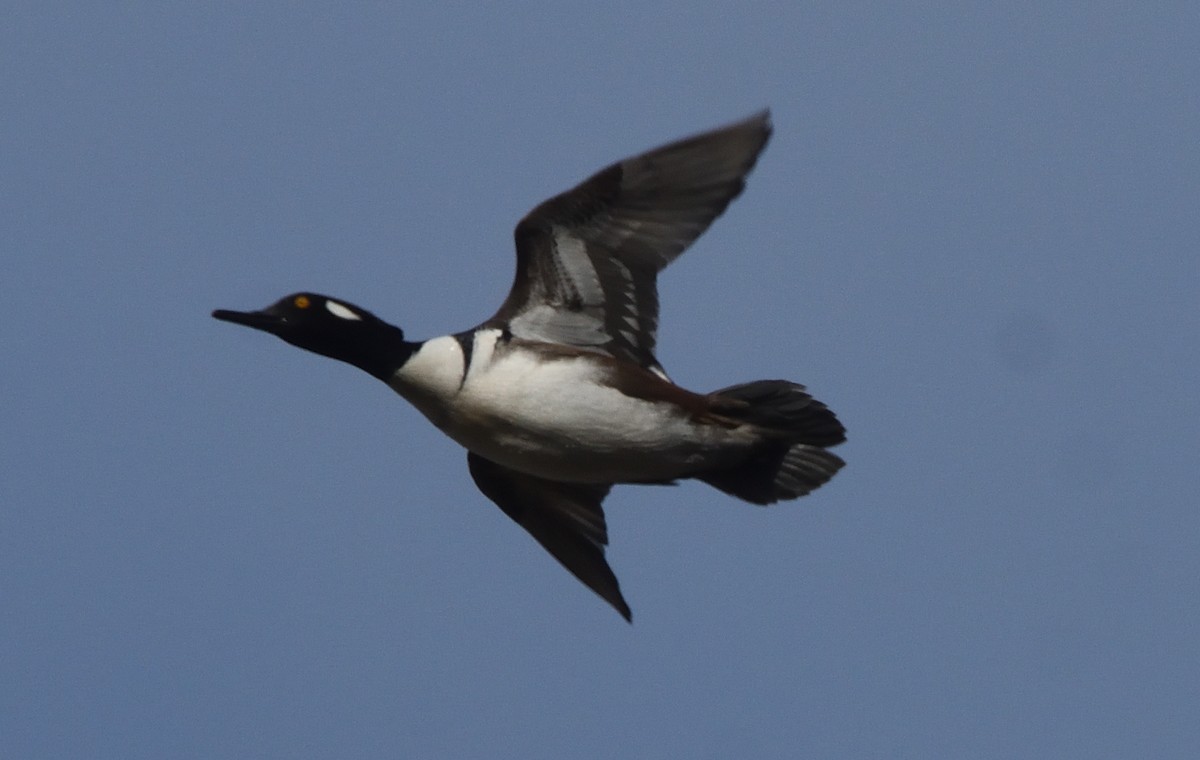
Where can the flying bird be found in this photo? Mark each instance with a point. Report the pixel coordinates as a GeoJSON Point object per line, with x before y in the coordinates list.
{"type": "Point", "coordinates": [558, 396]}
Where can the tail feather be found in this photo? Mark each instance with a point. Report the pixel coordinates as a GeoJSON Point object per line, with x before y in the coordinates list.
{"type": "Point", "coordinates": [791, 459]}
{"type": "Point", "coordinates": [781, 407]}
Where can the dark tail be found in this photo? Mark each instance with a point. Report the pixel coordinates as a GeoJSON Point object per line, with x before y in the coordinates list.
{"type": "Point", "coordinates": [791, 459]}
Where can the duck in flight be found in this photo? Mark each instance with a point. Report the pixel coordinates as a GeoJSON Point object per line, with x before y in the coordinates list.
{"type": "Point", "coordinates": [559, 396]}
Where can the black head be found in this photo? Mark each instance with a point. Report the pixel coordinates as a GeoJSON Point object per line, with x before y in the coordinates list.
{"type": "Point", "coordinates": [331, 328]}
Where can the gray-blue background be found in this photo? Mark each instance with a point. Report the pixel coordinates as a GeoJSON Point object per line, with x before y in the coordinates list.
{"type": "Point", "coordinates": [974, 235]}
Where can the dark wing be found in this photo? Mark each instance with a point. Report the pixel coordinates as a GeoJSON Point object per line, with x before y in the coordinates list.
{"type": "Point", "coordinates": [565, 518]}
{"type": "Point", "coordinates": [588, 259]}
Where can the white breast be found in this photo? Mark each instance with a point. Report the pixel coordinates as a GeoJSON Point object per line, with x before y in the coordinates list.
{"type": "Point", "coordinates": [432, 377]}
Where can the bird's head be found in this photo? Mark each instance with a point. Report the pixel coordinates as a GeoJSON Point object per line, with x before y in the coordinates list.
{"type": "Point", "coordinates": [332, 328]}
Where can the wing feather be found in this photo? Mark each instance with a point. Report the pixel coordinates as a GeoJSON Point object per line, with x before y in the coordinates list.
{"type": "Point", "coordinates": [565, 518]}
{"type": "Point", "coordinates": [588, 259]}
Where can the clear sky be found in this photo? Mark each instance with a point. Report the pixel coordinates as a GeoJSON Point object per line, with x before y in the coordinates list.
{"type": "Point", "coordinates": [974, 234]}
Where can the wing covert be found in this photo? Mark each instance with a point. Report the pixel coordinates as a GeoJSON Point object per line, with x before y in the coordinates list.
{"type": "Point", "coordinates": [588, 259]}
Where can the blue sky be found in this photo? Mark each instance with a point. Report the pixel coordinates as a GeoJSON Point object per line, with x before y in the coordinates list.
{"type": "Point", "coordinates": [974, 234]}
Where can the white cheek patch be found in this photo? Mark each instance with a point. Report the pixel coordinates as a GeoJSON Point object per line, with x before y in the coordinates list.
{"type": "Point", "coordinates": [341, 312]}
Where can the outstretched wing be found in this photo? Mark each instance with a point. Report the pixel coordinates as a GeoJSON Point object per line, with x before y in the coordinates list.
{"type": "Point", "coordinates": [565, 518]}
{"type": "Point", "coordinates": [588, 259]}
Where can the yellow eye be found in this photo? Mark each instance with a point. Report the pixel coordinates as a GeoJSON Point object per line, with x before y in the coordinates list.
{"type": "Point", "coordinates": [301, 302]}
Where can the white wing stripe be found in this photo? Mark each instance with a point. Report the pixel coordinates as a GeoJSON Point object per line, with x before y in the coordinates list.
{"type": "Point", "coordinates": [582, 279]}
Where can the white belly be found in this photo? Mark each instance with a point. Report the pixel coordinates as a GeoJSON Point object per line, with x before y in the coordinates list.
{"type": "Point", "coordinates": [553, 419]}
